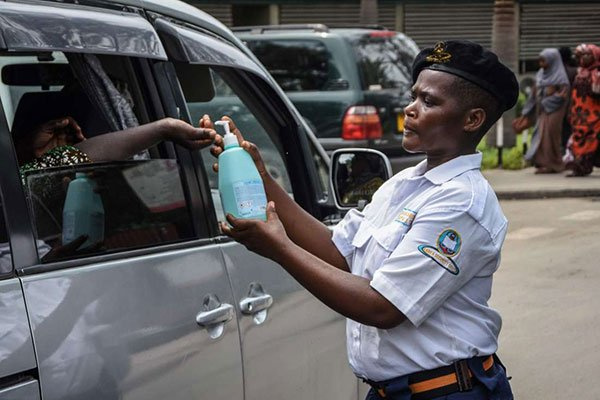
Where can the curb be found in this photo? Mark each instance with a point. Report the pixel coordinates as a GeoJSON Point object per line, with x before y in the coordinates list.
{"type": "Point", "coordinates": [547, 194]}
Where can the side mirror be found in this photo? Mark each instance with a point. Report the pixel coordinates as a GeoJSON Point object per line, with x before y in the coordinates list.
{"type": "Point", "coordinates": [356, 174]}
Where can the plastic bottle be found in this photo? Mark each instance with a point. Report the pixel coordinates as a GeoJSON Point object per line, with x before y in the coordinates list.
{"type": "Point", "coordinates": [83, 212]}
{"type": "Point", "coordinates": [240, 185]}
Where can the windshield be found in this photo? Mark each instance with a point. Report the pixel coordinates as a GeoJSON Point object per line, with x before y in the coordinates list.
{"type": "Point", "coordinates": [384, 59]}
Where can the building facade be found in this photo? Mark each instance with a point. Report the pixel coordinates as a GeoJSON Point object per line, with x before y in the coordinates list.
{"type": "Point", "coordinates": [541, 24]}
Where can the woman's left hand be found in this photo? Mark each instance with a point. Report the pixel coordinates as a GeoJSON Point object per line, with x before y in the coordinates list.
{"type": "Point", "coordinates": [268, 239]}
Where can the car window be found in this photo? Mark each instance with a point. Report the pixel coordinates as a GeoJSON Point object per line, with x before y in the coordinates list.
{"type": "Point", "coordinates": [81, 206]}
{"type": "Point", "coordinates": [299, 65]}
{"type": "Point", "coordinates": [384, 59]}
{"type": "Point", "coordinates": [227, 102]}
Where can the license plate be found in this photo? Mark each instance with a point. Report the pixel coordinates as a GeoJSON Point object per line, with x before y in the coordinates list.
{"type": "Point", "coordinates": [400, 123]}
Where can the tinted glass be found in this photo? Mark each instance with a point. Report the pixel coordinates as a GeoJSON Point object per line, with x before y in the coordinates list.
{"type": "Point", "coordinates": [384, 59]}
{"type": "Point", "coordinates": [299, 65]}
{"type": "Point", "coordinates": [81, 207]}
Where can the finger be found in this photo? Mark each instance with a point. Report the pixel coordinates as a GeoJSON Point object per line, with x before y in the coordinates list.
{"type": "Point", "coordinates": [216, 151]}
{"type": "Point", "coordinates": [255, 154]}
{"type": "Point", "coordinates": [271, 212]}
{"type": "Point", "coordinates": [205, 122]}
{"type": "Point", "coordinates": [233, 128]}
{"type": "Point", "coordinates": [239, 224]}
{"type": "Point", "coordinates": [216, 167]}
{"type": "Point", "coordinates": [75, 128]}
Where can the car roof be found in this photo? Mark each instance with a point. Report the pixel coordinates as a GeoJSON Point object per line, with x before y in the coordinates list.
{"type": "Point", "coordinates": [304, 31]}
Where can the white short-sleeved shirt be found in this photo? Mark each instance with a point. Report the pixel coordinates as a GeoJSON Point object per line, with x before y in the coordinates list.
{"type": "Point", "coordinates": [429, 242]}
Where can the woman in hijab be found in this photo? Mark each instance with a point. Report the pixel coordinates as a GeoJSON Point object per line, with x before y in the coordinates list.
{"type": "Point", "coordinates": [582, 149]}
{"type": "Point", "coordinates": [548, 104]}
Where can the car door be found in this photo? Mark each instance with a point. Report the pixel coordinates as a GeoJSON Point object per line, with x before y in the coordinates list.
{"type": "Point", "coordinates": [148, 313]}
{"type": "Point", "coordinates": [293, 346]}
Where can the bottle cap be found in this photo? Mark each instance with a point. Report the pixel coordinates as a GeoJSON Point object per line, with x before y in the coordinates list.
{"type": "Point", "coordinates": [229, 139]}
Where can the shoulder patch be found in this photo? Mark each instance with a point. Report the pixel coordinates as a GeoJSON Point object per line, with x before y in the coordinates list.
{"type": "Point", "coordinates": [445, 262]}
{"type": "Point", "coordinates": [449, 242]}
{"type": "Point", "coordinates": [406, 217]}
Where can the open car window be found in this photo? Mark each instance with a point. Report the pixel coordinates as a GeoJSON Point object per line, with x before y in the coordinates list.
{"type": "Point", "coordinates": [81, 206]}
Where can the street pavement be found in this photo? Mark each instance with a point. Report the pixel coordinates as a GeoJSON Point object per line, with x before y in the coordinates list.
{"type": "Point", "coordinates": [546, 291]}
{"type": "Point", "coordinates": [524, 184]}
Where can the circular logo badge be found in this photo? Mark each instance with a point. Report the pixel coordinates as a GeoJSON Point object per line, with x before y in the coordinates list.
{"type": "Point", "coordinates": [449, 242]}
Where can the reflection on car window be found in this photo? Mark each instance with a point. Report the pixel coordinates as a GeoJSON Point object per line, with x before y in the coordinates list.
{"type": "Point", "coordinates": [227, 102]}
{"type": "Point", "coordinates": [116, 206]}
{"type": "Point", "coordinates": [5, 253]}
{"type": "Point", "coordinates": [385, 60]}
{"type": "Point", "coordinates": [299, 65]}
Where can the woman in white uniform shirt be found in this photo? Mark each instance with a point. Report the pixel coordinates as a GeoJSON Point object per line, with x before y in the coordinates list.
{"type": "Point", "coordinates": [413, 271]}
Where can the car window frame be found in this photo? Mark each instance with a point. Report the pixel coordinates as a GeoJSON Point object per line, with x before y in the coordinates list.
{"type": "Point", "coordinates": [261, 95]}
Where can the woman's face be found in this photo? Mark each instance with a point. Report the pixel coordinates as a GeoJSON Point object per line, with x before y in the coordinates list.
{"type": "Point", "coordinates": [543, 63]}
{"type": "Point", "coordinates": [434, 120]}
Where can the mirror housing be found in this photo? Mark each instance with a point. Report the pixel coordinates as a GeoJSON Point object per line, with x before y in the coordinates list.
{"type": "Point", "coordinates": [355, 175]}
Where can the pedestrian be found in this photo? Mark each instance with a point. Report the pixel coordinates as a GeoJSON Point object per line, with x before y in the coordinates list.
{"type": "Point", "coordinates": [570, 65]}
{"type": "Point", "coordinates": [413, 270]}
{"type": "Point", "coordinates": [583, 150]}
{"type": "Point", "coordinates": [548, 105]}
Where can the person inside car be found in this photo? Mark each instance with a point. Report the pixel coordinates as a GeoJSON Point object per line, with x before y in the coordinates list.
{"type": "Point", "coordinates": [60, 142]}
{"type": "Point", "coordinates": [412, 272]}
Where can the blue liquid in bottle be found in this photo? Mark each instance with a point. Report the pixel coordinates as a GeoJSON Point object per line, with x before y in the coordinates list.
{"type": "Point", "coordinates": [83, 212]}
{"type": "Point", "coordinates": [240, 185]}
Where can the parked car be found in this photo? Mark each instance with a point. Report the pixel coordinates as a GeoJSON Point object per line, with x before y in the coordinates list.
{"type": "Point", "coordinates": [350, 83]}
{"type": "Point", "coordinates": [167, 307]}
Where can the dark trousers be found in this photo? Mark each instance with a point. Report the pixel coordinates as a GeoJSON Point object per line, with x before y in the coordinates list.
{"type": "Point", "coordinates": [486, 386]}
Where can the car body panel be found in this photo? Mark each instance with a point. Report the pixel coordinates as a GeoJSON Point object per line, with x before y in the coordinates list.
{"type": "Point", "coordinates": [25, 390]}
{"type": "Point", "coordinates": [129, 328]}
{"type": "Point", "coordinates": [300, 343]}
{"type": "Point", "coordinates": [16, 346]}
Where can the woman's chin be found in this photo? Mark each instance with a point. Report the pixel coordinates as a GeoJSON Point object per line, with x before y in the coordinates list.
{"type": "Point", "coordinates": [411, 144]}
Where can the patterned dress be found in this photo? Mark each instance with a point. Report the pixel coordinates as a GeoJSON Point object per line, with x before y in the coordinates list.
{"type": "Point", "coordinates": [585, 121]}
{"type": "Point", "coordinates": [57, 157]}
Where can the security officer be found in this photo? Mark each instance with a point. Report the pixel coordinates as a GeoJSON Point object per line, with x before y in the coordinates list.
{"type": "Point", "coordinates": [413, 271]}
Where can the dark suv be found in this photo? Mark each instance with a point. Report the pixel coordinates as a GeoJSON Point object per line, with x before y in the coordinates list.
{"type": "Point", "coordinates": [350, 84]}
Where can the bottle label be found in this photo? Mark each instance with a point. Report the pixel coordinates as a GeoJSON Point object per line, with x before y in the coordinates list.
{"type": "Point", "coordinates": [250, 198]}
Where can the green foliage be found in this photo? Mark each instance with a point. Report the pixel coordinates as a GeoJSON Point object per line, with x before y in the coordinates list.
{"type": "Point", "coordinates": [512, 158]}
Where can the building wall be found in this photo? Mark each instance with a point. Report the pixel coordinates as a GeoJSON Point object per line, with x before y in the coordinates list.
{"type": "Point", "coordinates": [542, 23]}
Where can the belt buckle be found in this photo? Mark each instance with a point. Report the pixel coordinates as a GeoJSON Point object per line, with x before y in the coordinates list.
{"type": "Point", "coordinates": [463, 375]}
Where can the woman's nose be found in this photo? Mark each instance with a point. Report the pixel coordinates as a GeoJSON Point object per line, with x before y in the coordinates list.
{"type": "Point", "coordinates": [409, 110]}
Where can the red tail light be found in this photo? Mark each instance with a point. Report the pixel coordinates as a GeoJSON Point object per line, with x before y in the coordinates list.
{"type": "Point", "coordinates": [361, 122]}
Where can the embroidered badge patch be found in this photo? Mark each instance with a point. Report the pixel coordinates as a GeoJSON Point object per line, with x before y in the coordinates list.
{"type": "Point", "coordinates": [445, 262]}
{"type": "Point", "coordinates": [449, 242]}
{"type": "Point", "coordinates": [406, 217]}
{"type": "Point", "coordinates": [439, 55]}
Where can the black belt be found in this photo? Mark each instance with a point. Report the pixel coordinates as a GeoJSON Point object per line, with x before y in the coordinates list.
{"type": "Point", "coordinates": [442, 381]}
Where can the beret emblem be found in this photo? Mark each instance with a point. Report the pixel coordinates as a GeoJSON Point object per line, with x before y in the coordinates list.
{"type": "Point", "coordinates": [439, 55]}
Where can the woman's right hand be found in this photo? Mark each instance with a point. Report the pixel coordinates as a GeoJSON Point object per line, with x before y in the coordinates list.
{"type": "Point", "coordinates": [217, 148]}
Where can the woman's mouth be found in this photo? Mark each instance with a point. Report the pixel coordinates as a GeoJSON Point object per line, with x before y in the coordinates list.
{"type": "Point", "coordinates": [409, 131]}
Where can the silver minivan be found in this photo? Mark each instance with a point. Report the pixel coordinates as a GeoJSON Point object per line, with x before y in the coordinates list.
{"type": "Point", "coordinates": [165, 307]}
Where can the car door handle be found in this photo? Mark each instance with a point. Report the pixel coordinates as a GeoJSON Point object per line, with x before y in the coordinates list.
{"type": "Point", "coordinates": [220, 315]}
{"type": "Point", "coordinates": [253, 305]}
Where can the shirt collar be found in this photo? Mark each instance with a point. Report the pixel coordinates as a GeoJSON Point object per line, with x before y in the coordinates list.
{"type": "Point", "coordinates": [450, 169]}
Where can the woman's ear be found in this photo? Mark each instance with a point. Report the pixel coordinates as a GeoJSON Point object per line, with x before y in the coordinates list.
{"type": "Point", "coordinates": [475, 119]}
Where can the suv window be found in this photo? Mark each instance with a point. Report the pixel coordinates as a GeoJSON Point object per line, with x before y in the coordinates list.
{"type": "Point", "coordinates": [81, 207]}
{"type": "Point", "coordinates": [299, 65]}
{"type": "Point", "coordinates": [384, 59]}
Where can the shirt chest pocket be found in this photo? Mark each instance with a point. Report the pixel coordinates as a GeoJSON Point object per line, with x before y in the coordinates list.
{"type": "Point", "coordinates": [387, 237]}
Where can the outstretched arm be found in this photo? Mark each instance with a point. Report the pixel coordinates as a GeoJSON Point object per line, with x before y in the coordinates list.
{"type": "Point", "coordinates": [122, 145]}
{"type": "Point", "coordinates": [302, 228]}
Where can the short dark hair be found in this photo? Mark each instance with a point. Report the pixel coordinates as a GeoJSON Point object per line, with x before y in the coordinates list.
{"type": "Point", "coordinates": [472, 96]}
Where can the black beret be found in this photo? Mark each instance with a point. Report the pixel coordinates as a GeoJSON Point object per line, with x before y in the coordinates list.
{"type": "Point", "coordinates": [472, 62]}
